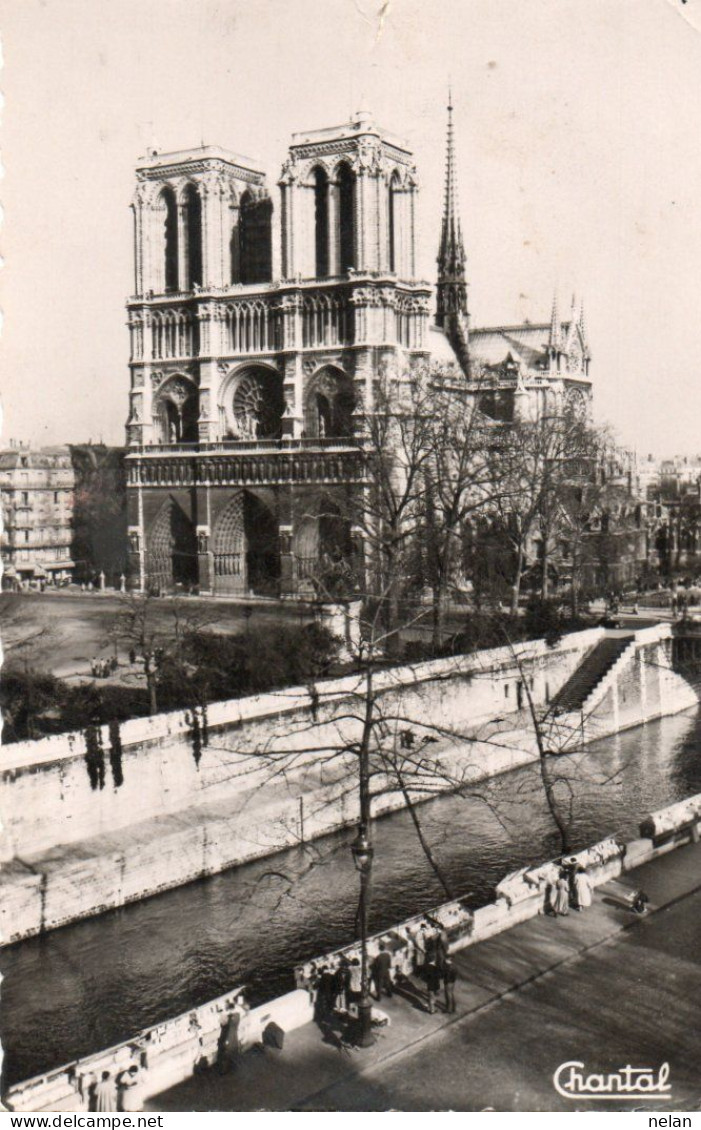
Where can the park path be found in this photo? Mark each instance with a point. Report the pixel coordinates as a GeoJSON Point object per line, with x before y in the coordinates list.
{"type": "Point", "coordinates": [422, 1060]}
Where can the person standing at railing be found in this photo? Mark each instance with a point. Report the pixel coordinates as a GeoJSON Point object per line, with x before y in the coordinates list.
{"type": "Point", "coordinates": [561, 902]}
{"type": "Point", "coordinates": [106, 1093]}
{"type": "Point", "coordinates": [130, 1089]}
{"type": "Point", "coordinates": [433, 984]}
{"type": "Point", "coordinates": [450, 976]}
{"type": "Point", "coordinates": [582, 889]}
{"type": "Point", "coordinates": [381, 972]}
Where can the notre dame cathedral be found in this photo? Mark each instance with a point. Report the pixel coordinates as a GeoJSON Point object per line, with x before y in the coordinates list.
{"type": "Point", "coordinates": [248, 379]}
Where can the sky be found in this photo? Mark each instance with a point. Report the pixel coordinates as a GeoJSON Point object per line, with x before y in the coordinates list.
{"type": "Point", "coordinates": [578, 134]}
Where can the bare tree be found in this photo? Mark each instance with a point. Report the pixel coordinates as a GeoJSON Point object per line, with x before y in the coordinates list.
{"type": "Point", "coordinates": [462, 482]}
{"type": "Point", "coordinates": [537, 461]}
{"type": "Point", "coordinates": [155, 630]}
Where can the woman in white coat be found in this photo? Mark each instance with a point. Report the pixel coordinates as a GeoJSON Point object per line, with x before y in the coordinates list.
{"type": "Point", "coordinates": [582, 888]}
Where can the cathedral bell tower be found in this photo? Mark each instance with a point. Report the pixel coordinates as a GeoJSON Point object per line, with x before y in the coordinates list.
{"type": "Point", "coordinates": [348, 203]}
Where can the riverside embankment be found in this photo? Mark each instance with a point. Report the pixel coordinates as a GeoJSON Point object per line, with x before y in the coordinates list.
{"type": "Point", "coordinates": [183, 1046]}
{"type": "Point", "coordinates": [96, 982]}
{"type": "Point", "coordinates": [95, 820]}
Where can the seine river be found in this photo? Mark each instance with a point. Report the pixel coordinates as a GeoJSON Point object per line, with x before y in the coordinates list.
{"type": "Point", "coordinates": [97, 982]}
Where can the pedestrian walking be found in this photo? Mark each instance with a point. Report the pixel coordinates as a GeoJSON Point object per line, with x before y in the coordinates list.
{"type": "Point", "coordinates": [561, 902]}
{"type": "Point", "coordinates": [442, 948]}
{"type": "Point", "coordinates": [228, 1046]}
{"type": "Point", "coordinates": [341, 980]}
{"type": "Point", "coordinates": [106, 1093]}
{"type": "Point", "coordinates": [419, 939]}
{"type": "Point", "coordinates": [582, 889]}
{"type": "Point", "coordinates": [381, 972]}
{"type": "Point", "coordinates": [325, 994]}
{"type": "Point", "coordinates": [355, 985]}
{"type": "Point", "coordinates": [639, 903]}
{"type": "Point", "coordinates": [450, 976]}
{"type": "Point", "coordinates": [433, 984]}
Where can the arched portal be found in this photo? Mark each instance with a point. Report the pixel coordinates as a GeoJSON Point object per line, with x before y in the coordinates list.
{"type": "Point", "coordinates": [330, 403]}
{"type": "Point", "coordinates": [335, 544]}
{"type": "Point", "coordinates": [321, 221]}
{"type": "Point", "coordinates": [229, 548]}
{"type": "Point", "coordinates": [254, 404]}
{"type": "Point", "coordinates": [346, 217]}
{"type": "Point", "coordinates": [193, 236]}
{"type": "Point", "coordinates": [262, 547]}
{"type": "Point", "coordinates": [323, 547]}
{"type": "Point", "coordinates": [171, 549]}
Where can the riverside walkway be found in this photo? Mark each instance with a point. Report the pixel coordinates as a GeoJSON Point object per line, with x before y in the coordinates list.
{"type": "Point", "coordinates": [603, 987]}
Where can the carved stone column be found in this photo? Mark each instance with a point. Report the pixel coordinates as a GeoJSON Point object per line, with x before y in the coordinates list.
{"type": "Point", "coordinates": [138, 207]}
{"type": "Point", "coordinates": [288, 187]}
{"type": "Point", "coordinates": [413, 188]}
{"type": "Point", "coordinates": [183, 256]}
{"type": "Point", "coordinates": [135, 530]}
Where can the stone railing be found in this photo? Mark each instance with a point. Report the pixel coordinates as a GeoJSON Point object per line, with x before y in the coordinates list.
{"type": "Point", "coordinates": [522, 894]}
{"type": "Point", "coordinates": [240, 446]}
{"type": "Point", "coordinates": [249, 466]}
{"type": "Point", "coordinates": [667, 823]}
{"type": "Point", "coordinates": [165, 1054]}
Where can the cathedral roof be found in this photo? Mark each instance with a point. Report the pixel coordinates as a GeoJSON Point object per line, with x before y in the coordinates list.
{"type": "Point", "coordinates": [527, 343]}
{"type": "Point", "coordinates": [440, 347]}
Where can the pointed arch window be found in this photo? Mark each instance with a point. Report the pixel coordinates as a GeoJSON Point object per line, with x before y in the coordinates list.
{"type": "Point", "coordinates": [346, 217]}
{"type": "Point", "coordinates": [170, 239]}
{"type": "Point", "coordinates": [321, 222]}
{"type": "Point", "coordinates": [393, 222]}
{"type": "Point", "coordinates": [255, 238]}
{"type": "Point", "coordinates": [193, 236]}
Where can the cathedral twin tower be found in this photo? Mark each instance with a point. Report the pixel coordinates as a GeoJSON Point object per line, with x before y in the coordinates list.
{"type": "Point", "coordinates": [251, 364]}
{"type": "Point", "coordinates": [244, 390]}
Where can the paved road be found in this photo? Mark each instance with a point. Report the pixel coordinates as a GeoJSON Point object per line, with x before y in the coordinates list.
{"type": "Point", "coordinates": [61, 632]}
{"type": "Point", "coordinates": [604, 988]}
{"type": "Point", "coordinates": [633, 1001]}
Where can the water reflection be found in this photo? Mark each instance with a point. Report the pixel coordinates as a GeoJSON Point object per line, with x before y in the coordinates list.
{"type": "Point", "coordinates": [94, 983]}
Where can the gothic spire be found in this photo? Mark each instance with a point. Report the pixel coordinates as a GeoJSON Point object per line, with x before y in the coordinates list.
{"type": "Point", "coordinates": [582, 323]}
{"type": "Point", "coordinates": [555, 328]}
{"type": "Point", "coordinates": [452, 285]}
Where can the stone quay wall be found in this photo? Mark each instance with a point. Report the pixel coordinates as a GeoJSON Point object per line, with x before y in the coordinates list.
{"type": "Point", "coordinates": [91, 822]}
{"type": "Point", "coordinates": [171, 1052]}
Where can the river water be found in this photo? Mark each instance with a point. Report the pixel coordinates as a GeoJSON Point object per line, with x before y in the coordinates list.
{"type": "Point", "coordinates": [96, 982]}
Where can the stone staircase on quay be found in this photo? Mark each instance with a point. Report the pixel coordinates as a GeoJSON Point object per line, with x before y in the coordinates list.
{"type": "Point", "coordinates": [589, 674]}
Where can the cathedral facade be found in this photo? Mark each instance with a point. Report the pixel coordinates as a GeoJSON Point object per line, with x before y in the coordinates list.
{"type": "Point", "coordinates": [249, 383]}
{"type": "Point", "coordinates": [245, 389]}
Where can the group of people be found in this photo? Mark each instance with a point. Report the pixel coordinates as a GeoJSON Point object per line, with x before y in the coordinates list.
{"type": "Point", "coordinates": [100, 667]}
{"type": "Point", "coordinates": [114, 1091]}
{"type": "Point", "coordinates": [430, 961]}
{"type": "Point", "coordinates": [337, 990]}
{"type": "Point", "coordinates": [571, 889]}
{"type": "Point", "coordinates": [424, 956]}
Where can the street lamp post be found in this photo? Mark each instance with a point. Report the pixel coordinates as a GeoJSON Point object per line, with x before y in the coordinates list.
{"type": "Point", "coordinates": [362, 857]}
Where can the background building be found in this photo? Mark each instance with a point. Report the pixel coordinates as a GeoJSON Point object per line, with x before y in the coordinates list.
{"type": "Point", "coordinates": [37, 487]}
